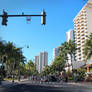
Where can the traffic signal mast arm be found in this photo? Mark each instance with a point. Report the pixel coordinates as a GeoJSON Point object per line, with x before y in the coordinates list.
{"type": "Point", "coordinates": [21, 15]}
{"type": "Point", "coordinates": [5, 17]}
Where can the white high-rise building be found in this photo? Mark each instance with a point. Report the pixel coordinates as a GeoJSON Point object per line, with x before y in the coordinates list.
{"type": "Point", "coordinates": [41, 61]}
{"type": "Point", "coordinates": [69, 36]}
{"type": "Point", "coordinates": [36, 59]}
{"type": "Point", "coordinates": [82, 29]}
{"type": "Point", "coordinates": [55, 52]}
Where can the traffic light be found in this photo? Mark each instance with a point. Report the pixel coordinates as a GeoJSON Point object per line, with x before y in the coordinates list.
{"type": "Point", "coordinates": [43, 17]}
{"type": "Point", "coordinates": [4, 18]}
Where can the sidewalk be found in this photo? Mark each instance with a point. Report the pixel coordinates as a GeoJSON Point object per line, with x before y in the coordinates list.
{"type": "Point", "coordinates": [9, 82]}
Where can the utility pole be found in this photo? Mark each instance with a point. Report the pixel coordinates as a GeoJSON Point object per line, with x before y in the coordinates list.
{"type": "Point", "coordinates": [5, 17]}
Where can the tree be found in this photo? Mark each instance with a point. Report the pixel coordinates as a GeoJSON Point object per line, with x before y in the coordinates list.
{"type": "Point", "coordinates": [64, 50]}
{"type": "Point", "coordinates": [46, 71]}
{"type": "Point", "coordinates": [88, 47]}
{"type": "Point", "coordinates": [67, 48]}
{"type": "Point", "coordinates": [58, 64]}
{"type": "Point", "coordinates": [31, 68]}
{"type": "Point", "coordinates": [71, 46]}
{"type": "Point", "coordinates": [2, 49]}
{"type": "Point", "coordinates": [14, 58]}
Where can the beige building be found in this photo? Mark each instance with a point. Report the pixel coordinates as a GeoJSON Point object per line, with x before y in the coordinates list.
{"type": "Point", "coordinates": [82, 29]}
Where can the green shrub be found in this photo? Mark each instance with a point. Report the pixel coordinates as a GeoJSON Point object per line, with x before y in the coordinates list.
{"type": "Point", "coordinates": [81, 74]}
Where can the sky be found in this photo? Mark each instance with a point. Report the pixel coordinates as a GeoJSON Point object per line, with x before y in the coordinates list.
{"type": "Point", "coordinates": [60, 15]}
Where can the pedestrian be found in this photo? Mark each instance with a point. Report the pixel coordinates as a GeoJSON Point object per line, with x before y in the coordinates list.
{"type": "Point", "coordinates": [66, 78]}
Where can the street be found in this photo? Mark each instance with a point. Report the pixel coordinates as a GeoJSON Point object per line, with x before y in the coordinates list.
{"type": "Point", "coordinates": [63, 87]}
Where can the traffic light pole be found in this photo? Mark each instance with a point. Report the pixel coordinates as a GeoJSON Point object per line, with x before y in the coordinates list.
{"type": "Point", "coordinates": [22, 15]}
{"type": "Point", "coordinates": [5, 17]}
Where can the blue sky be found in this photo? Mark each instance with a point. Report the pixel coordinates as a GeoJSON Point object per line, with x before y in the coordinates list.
{"type": "Point", "coordinates": [60, 15]}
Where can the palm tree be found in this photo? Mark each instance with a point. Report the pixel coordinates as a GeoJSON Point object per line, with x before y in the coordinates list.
{"type": "Point", "coordinates": [58, 64]}
{"type": "Point", "coordinates": [64, 50]}
{"type": "Point", "coordinates": [88, 47]}
{"type": "Point", "coordinates": [68, 48]}
{"type": "Point", "coordinates": [31, 68]}
{"type": "Point", "coordinates": [71, 49]}
{"type": "Point", "coordinates": [14, 58]}
{"type": "Point", "coordinates": [2, 49]}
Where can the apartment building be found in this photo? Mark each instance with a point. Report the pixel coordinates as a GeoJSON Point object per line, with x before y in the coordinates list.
{"type": "Point", "coordinates": [82, 29]}
{"type": "Point", "coordinates": [36, 59]}
{"type": "Point", "coordinates": [55, 52]}
{"type": "Point", "coordinates": [69, 36]}
{"type": "Point", "coordinates": [41, 61]}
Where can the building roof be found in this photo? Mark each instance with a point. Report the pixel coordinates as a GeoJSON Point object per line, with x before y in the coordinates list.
{"type": "Point", "coordinates": [78, 64]}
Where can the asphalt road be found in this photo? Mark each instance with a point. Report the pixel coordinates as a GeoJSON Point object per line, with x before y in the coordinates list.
{"type": "Point", "coordinates": [27, 87]}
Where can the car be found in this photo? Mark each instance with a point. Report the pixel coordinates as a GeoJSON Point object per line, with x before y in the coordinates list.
{"type": "Point", "coordinates": [52, 78]}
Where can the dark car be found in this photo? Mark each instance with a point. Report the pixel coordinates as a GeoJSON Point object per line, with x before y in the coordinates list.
{"type": "Point", "coordinates": [52, 78]}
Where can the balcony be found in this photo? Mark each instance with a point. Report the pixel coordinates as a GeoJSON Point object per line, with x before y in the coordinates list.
{"type": "Point", "coordinates": [82, 27]}
{"type": "Point", "coordinates": [82, 31]}
{"type": "Point", "coordinates": [83, 14]}
{"type": "Point", "coordinates": [78, 41]}
{"type": "Point", "coordinates": [83, 37]}
{"type": "Point", "coordinates": [78, 37]}
{"type": "Point", "coordinates": [83, 21]}
{"type": "Point", "coordinates": [83, 17]}
{"type": "Point", "coordinates": [77, 25]}
{"type": "Point", "coordinates": [78, 46]}
{"type": "Point", "coordinates": [82, 41]}
{"type": "Point", "coordinates": [82, 34]}
{"type": "Point", "coordinates": [77, 22]}
{"type": "Point", "coordinates": [78, 34]}
{"type": "Point", "coordinates": [78, 31]}
{"type": "Point", "coordinates": [77, 28]}
{"type": "Point", "coordinates": [75, 35]}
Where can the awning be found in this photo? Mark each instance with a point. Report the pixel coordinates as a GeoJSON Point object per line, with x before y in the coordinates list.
{"type": "Point", "coordinates": [78, 64]}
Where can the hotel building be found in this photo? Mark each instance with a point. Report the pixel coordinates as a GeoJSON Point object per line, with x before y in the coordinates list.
{"type": "Point", "coordinates": [82, 29]}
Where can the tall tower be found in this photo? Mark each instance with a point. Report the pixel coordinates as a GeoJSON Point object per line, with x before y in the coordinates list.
{"type": "Point", "coordinates": [82, 29]}
{"type": "Point", "coordinates": [70, 36]}
{"type": "Point", "coordinates": [36, 59]}
{"type": "Point", "coordinates": [55, 52]}
{"type": "Point", "coordinates": [41, 61]}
